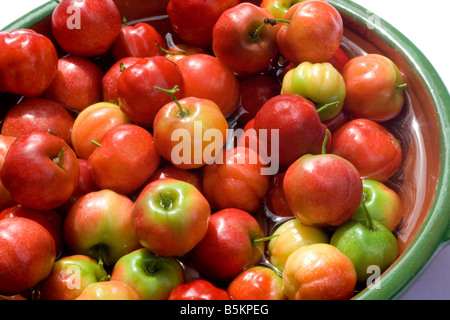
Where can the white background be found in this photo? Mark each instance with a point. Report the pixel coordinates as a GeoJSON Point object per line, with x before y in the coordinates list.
{"type": "Point", "coordinates": [427, 25]}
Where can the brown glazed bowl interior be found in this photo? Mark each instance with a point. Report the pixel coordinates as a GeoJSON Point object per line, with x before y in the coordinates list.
{"type": "Point", "coordinates": [423, 129]}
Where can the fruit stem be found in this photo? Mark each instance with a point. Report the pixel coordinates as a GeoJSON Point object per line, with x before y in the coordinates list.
{"type": "Point", "coordinates": [165, 50]}
{"type": "Point", "coordinates": [166, 202]}
{"type": "Point", "coordinates": [122, 67]}
{"type": "Point", "coordinates": [105, 278]}
{"type": "Point", "coordinates": [96, 143]}
{"type": "Point", "coordinates": [58, 159]}
{"type": "Point", "coordinates": [403, 85]}
{"type": "Point", "coordinates": [152, 267]}
{"type": "Point", "coordinates": [124, 21]}
{"type": "Point", "coordinates": [171, 93]}
{"type": "Point", "coordinates": [274, 22]}
{"type": "Point", "coordinates": [255, 241]}
{"type": "Point", "coordinates": [325, 141]}
{"type": "Point", "coordinates": [100, 254]}
{"type": "Point", "coordinates": [254, 36]}
{"type": "Point", "coordinates": [326, 106]}
{"type": "Point", "coordinates": [366, 211]}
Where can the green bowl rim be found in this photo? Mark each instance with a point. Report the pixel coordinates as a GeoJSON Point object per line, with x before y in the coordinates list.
{"type": "Point", "coordinates": [420, 253]}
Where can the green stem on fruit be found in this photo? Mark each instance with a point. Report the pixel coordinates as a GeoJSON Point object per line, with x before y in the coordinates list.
{"type": "Point", "coordinates": [274, 22]}
{"type": "Point", "coordinates": [122, 67]}
{"type": "Point", "coordinates": [254, 36]}
{"type": "Point", "coordinates": [100, 255]}
{"type": "Point", "coordinates": [265, 239]}
{"type": "Point", "coordinates": [166, 202]}
{"type": "Point", "coordinates": [165, 50]}
{"type": "Point", "coordinates": [182, 112]}
{"type": "Point", "coordinates": [366, 211]}
{"type": "Point", "coordinates": [58, 160]}
{"type": "Point", "coordinates": [152, 268]}
{"type": "Point", "coordinates": [403, 85]}
{"type": "Point", "coordinates": [96, 143]}
{"type": "Point", "coordinates": [124, 21]}
{"type": "Point", "coordinates": [105, 278]}
{"type": "Point", "coordinates": [325, 141]}
{"type": "Point", "coordinates": [324, 108]}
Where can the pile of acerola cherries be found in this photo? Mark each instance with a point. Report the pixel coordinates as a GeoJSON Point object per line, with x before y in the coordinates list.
{"type": "Point", "coordinates": [225, 150]}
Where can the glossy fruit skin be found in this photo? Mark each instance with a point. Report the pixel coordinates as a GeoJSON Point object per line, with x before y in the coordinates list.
{"type": "Point", "coordinates": [279, 8]}
{"type": "Point", "coordinates": [140, 40]}
{"type": "Point", "coordinates": [319, 82]}
{"type": "Point", "coordinates": [28, 254]}
{"type": "Point", "coordinates": [199, 289]}
{"type": "Point", "coordinates": [169, 171]}
{"type": "Point", "coordinates": [125, 159]}
{"type": "Point", "coordinates": [32, 174]}
{"type": "Point", "coordinates": [234, 42]}
{"type": "Point", "coordinates": [111, 79]}
{"type": "Point", "coordinates": [182, 50]}
{"type": "Point", "coordinates": [257, 283]}
{"type": "Point", "coordinates": [319, 272]}
{"type": "Point", "coordinates": [92, 123]}
{"type": "Point", "coordinates": [62, 283]}
{"type": "Point", "coordinates": [236, 182]}
{"type": "Point", "coordinates": [314, 33]}
{"type": "Point", "coordinates": [339, 59]}
{"type": "Point", "coordinates": [323, 190]}
{"type": "Point", "coordinates": [50, 220]}
{"type": "Point", "coordinates": [77, 83]}
{"type": "Point", "coordinates": [292, 235]}
{"type": "Point", "coordinates": [227, 248]}
{"type": "Point", "coordinates": [135, 269]}
{"type": "Point", "coordinates": [91, 221]}
{"type": "Point", "coordinates": [370, 147]}
{"type": "Point", "coordinates": [206, 77]}
{"type": "Point", "coordinates": [338, 121]}
{"type": "Point", "coordinates": [138, 98]}
{"type": "Point", "coordinates": [374, 88]}
{"type": "Point", "coordinates": [173, 229]}
{"type": "Point", "coordinates": [28, 62]}
{"type": "Point", "coordinates": [6, 199]}
{"type": "Point", "coordinates": [203, 115]}
{"type": "Point", "coordinates": [276, 199]}
{"type": "Point", "coordinates": [255, 91]}
{"type": "Point", "coordinates": [85, 184]}
{"type": "Point", "coordinates": [194, 20]}
{"type": "Point", "coordinates": [108, 290]}
{"type": "Point", "coordinates": [298, 122]}
{"type": "Point", "coordinates": [38, 114]}
{"type": "Point", "coordinates": [86, 28]}
{"type": "Point", "coordinates": [365, 247]}
{"type": "Point", "coordinates": [383, 204]}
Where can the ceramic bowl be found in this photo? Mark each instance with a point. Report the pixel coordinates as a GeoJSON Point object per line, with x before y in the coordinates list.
{"type": "Point", "coordinates": [423, 128]}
